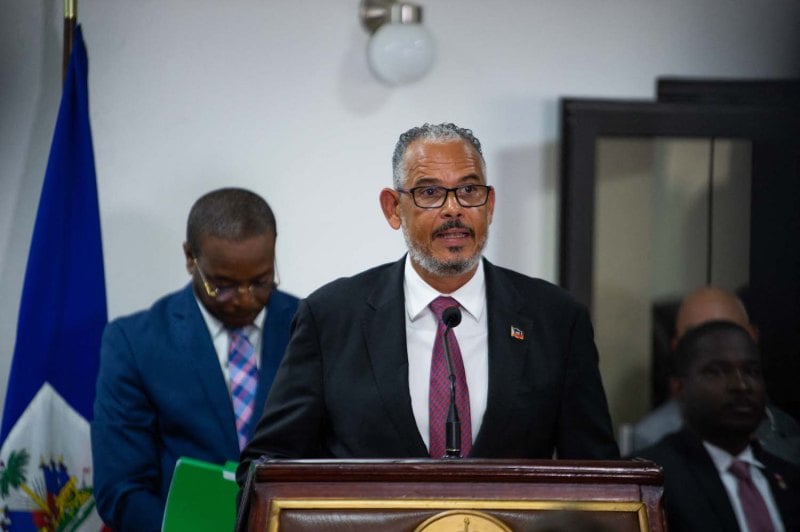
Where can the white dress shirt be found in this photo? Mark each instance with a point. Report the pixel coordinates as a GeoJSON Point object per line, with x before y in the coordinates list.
{"type": "Point", "coordinates": [222, 342]}
{"type": "Point", "coordinates": [471, 334]}
{"type": "Point", "coordinates": [723, 460]}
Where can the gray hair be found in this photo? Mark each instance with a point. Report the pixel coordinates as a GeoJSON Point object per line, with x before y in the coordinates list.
{"type": "Point", "coordinates": [229, 213]}
{"type": "Point", "coordinates": [429, 132]}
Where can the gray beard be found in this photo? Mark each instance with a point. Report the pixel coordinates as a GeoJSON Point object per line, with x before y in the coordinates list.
{"type": "Point", "coordinates": [435, 266]}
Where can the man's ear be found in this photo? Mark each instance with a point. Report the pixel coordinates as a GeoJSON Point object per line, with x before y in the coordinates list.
{"type": "Point", "coordinates": [390, 205]}
{"type": "Point", "coordinates": [676, 387]}
{"type": "Point", "coordinates": [673, 383]}
{"type": "Point", "coordinates": [752, 328]}
{"type": "Point", "coordinates": [187, 252]}
{"type": "Point", "coordinates": [490, 207]}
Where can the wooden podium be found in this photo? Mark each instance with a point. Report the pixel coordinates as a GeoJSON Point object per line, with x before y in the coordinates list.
{"type": "Point", "coordinates": [472, 495]}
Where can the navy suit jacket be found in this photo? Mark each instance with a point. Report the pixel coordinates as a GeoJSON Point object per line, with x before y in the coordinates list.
{"type": "Point", "coordinates": [342, 389]}
{"type": "Point", "coordinates": [161, 395]}
{"type": "Point", "coordinates": [694, 496]}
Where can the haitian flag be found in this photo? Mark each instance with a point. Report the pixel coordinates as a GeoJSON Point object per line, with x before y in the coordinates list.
{"type": "Point", "coordinates": [45, 474]}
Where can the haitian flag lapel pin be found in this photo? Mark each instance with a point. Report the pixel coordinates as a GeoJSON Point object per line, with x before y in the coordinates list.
{"type": "Point", "coordinates": [516, 333]}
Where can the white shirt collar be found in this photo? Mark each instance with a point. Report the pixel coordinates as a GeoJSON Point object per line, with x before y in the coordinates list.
{"type": "Point", "coordinates": [419, 294]}
{"type": "Point", "coordinates": [723, 459]}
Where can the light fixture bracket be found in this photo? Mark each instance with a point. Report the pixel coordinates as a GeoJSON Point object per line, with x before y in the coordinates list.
{"type": "Point", "coordinates": [376, 13]}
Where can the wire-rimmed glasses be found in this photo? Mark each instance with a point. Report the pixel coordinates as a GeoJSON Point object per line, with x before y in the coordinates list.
{"type": "Point", "coordinates": [260, 290]}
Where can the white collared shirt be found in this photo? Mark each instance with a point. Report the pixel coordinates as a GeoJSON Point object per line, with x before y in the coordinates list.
{"type": "Point", "coordinates": [722, 460]}
{"type": "Point", "coordinates": [472, 336]}
{"type": "Point", "coordinates": [221, 339]}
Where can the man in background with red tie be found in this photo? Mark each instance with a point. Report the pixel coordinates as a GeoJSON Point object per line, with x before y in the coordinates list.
{"type": "Point", "coordinates": [363, 375]}
{"type": "Point", "coordinates": [189, 376]}
{"type": "Point", "coordinates": [716, 475]}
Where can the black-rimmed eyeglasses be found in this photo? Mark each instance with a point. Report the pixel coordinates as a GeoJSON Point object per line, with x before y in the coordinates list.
{"type": "Point", "coordinates": [260, 289]}
{"type": "Point", "coordinates": [434, 196]}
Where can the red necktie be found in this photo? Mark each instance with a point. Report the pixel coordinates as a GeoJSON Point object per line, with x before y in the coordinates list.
{"type": "Point", "coordinates": [755, 509]}
{"type": "Point", "coordinates": [439, 399]}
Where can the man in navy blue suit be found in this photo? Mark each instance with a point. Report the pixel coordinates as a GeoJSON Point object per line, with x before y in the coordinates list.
{"type": "Point", "coordinates": [189, 376]}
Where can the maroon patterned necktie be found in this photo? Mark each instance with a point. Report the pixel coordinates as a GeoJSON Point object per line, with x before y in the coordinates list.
{"type": "Point", "coordinates": [439, 399]}
{"type": "Point", "coordinates": [755, 509]}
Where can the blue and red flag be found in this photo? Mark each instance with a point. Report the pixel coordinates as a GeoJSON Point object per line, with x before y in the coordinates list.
{"type": "Point", "coordinates": [45, 474]}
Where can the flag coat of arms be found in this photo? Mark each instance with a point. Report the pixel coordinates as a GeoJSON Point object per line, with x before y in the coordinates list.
{"type": "Point", "coordinates": [45, 458]}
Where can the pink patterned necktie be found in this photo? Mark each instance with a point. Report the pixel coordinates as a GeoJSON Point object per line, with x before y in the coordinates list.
{"type": "Point", "coordinates": [439, 399]}
{"type": "Point", "coordinates": [243, 372]}
{"type": "Point", "coordinates": [755, 509]}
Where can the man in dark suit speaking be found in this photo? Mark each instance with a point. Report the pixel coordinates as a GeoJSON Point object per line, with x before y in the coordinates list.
{"type": "Point", "coordinates": [189, 376]}
{"type": "Point", "coordinates": [365, 374]}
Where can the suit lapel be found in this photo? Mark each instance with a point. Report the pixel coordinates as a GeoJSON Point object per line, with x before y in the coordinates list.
{"type": "Point", "coordinates": [707, 478]}
{"type": "Point", "coordinates": [385, 335]}
{"type": "Point", "coordinates": [783, 486]}
{"type": "Point", "coordinates": [204, 363]}
{"type": "Point", "coordinates": [274, 338]}
{"type": "Point", "coordinates": [509, 340]}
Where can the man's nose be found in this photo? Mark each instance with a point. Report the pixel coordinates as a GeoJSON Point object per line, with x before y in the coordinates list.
{"type": "Point", "coordinates": [245, 296]}
{"type": "Point", "coordinates": [451, 205]}
{"type": "Point", "coordinates": [741, 380]}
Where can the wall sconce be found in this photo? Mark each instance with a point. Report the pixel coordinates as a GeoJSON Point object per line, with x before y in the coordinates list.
{"type": "Point", "coordinates": [400, 49]}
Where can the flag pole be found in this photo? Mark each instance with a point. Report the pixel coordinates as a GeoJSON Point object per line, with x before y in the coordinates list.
{"type": "Point", "coordinates": [70, 20]}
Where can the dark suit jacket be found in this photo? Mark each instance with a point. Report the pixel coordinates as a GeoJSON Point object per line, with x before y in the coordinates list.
{"type": "Point", "coordinates": [342, 389]}
{"type": "Point", "coordinates": [161, 395]}
{"type": "Point", "coordinates": [694, 496]}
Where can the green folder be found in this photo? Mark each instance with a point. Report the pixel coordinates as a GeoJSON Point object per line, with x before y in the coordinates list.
{"type": "Point", "coordinates": [202, 497]}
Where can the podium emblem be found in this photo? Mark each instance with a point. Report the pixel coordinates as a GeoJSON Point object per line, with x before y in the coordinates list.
{"type": "Point", "coordinates": [462, 521]}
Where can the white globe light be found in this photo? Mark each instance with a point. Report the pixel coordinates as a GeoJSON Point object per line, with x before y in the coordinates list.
{"type": "Point", "coordinates": [401, 53]}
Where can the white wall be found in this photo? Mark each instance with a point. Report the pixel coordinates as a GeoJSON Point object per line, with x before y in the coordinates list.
{"type": "Point", "coordinates": [275, 95]}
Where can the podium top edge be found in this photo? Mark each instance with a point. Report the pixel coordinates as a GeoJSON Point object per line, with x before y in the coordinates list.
{"type": "Point", "coordinates": [463, 470]}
